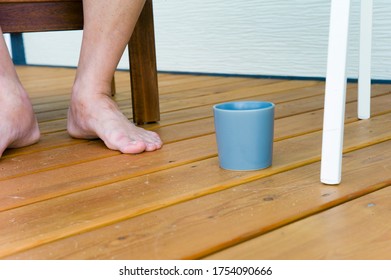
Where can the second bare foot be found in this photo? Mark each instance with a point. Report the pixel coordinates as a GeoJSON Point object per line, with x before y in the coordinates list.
{"type": "Point", "coordinates": [98, 116]}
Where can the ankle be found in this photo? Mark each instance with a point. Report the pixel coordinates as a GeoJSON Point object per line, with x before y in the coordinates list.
{"type": "Point", "coordinates": [87, 88]}
{"type": "Point", "coordinates": [13, 93]}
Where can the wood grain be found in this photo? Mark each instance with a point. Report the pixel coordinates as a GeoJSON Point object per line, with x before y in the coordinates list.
{"type": "Point", "coordinates": [67, 198]}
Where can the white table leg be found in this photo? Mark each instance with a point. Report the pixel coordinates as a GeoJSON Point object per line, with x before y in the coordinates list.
{"type": "Point", "coordinates": [335, 95]}
{"type": "Point", "coordinates": [364, 76]}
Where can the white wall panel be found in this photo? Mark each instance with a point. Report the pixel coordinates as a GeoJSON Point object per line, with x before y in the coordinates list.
{"type": "Point", "coordinates": [53, 48]}
{"type": "Point", "coordinates": [260, 37]}
{"type": "Point", "coordinates": [8, 42]}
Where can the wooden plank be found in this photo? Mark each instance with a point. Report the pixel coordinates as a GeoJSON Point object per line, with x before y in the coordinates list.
{"type": "Point", "coordinates": [25, 164]}
{"type": "Point", "coordinates": [155, 194]}
{"type": "Point", "coordinates": [32, 73]}
{"type": "Point", "coordinates": [261, 206]}
{"type": "Point", "coordinates": [358, 230]}
{"type": "Point", "coordinates": [205, 82]}
{"type": "Point", "coordinates": [251, 92]}
{"type": "Point", "coordinates": [213, 86]}
{"type": "Point", "coordinates": [53, 126]}
{"type": "Point", "coordinates": [47, 142]}
{"type": "Point", "coordinates": [41, 16]}
{"type": "Point", "coordinates": [184, 80]}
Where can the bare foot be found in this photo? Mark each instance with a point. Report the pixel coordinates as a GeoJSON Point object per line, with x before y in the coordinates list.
{"type": "Point", "coordinates": [18, 126]}
{"type": "Point", "coordinates": [98, 116]}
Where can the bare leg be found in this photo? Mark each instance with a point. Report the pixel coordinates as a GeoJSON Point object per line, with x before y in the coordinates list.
{"type": "Point", "coordinates": [108, 26]}
{"type": "Point", "coordinates": [18, 125]}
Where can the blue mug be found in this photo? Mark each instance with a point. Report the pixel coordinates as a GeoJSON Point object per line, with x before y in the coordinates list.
{"type": "Point", "coordinates": [244, 133]}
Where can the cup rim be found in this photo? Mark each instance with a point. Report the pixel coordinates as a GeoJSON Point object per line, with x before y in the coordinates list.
{"type": "Point", "coordinates": [270, 105]}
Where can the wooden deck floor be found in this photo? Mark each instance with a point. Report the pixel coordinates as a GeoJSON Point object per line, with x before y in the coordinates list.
{"type": "Point", "coordinates": [74, 199]}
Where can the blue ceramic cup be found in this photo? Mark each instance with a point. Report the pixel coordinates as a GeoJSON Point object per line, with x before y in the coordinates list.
{"type": "Point", "coordinates": [244, 133]}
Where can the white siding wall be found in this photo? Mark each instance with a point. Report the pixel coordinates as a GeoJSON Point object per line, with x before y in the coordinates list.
{"type": "Point", "coordinates": [8, 42]}
{"type": "Point", "coordinates": [261, 37]}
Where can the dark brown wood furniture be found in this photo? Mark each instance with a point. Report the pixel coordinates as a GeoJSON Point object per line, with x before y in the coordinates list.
{"type": "Point", "coordinates": [18, 16]}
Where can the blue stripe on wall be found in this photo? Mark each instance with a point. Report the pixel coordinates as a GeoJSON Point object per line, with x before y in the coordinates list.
{"type": "Point", "coordinates": [17, 48]}
{"type": "Point", "coordinates": [350, 80]}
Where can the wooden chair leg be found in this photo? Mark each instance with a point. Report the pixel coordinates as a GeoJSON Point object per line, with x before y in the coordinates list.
{"type": "Point", "coordinates": [143, 71]}
{"type": "Point", "coordinates": [364, 76]}
{"type": "Point", "coordinates": [113, 89]}
{"type": "Point", "coordinates": [335, 96]}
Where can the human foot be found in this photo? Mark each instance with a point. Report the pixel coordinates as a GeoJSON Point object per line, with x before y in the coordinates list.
{"type": "Point", "coordinates": [18, 127]}
{"type": "Point", "coordinates": [98, 116]}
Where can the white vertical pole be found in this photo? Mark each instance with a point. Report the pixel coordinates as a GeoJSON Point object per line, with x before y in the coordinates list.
{"type": "Point", "coordinates": [335, 95]}
{"type": "Point", "coordinates": [364, 76]}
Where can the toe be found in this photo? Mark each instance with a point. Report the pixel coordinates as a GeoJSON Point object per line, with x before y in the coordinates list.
{"type": "Point", "coordinates": [125, 144]}
{"type": "Point", "coordinates": [132, 147]}
{"type": "Point", "coordinates": [2, 149]}
{"type": "Point", "coordinates": [155, 139]}
{"type": "Point", "coordinates": [151, 147]}
{"type": "Point", "coordinates": [153, 143]}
